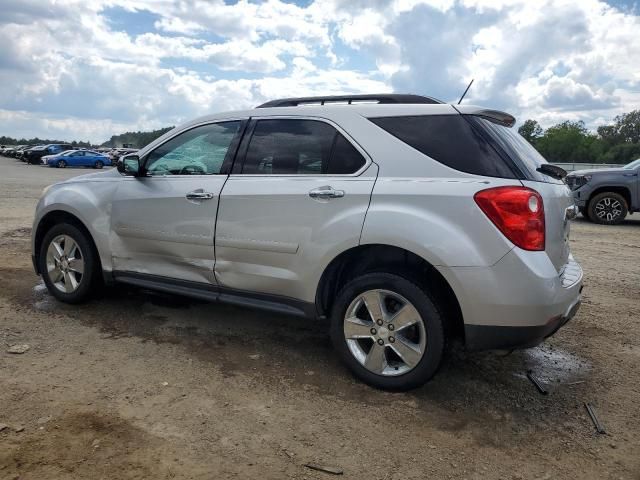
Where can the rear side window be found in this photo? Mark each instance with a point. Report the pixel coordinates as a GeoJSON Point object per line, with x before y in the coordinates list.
{"type": "Point", "coordinates": [449, 139]}
{"type": "Point", "coordinates": [299, 147]}
{"type": "Point", "coordinates": [518, 149]}
{"type": "Point", "coordinates": [345, 158]}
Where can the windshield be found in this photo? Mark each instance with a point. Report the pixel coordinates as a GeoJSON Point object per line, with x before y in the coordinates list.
{"type": "Point", "coordinates": [632, 165]}
{"type": "Point", "coordinates": [521, 152]}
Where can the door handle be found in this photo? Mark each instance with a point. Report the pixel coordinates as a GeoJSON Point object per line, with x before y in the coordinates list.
{"type": "Point", "coordinates": [199, 194]}
{"type": "Point", "coordinates": [326, 193]}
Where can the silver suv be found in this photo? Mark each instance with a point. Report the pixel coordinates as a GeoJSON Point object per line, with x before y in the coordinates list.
{"type": "Point", "coordinates": [404, 221]}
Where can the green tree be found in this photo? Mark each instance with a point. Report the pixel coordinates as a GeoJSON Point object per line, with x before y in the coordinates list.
{"type": "Point", "coordinates": [609, 135]}
{"type": "Point", "coordinates": [531, 131]}
{"type": "Point", "coordinates": [138, 139]}
{"type": "Point", "coordinates": [570, 142]}
{"type": "Point", "coordinates": [626, 128]}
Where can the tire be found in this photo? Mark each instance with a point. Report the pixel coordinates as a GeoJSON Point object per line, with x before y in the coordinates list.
{"type": "Point", "coordinates": [608, 208]}
{"type": "Point", "coordinates": [61, 164]}
{"type": "Point", "coordinates": [427, 333]}
{"type": "Point", "coordinates": [59, 283]}
{"type": "Point", "coordinates": [98, 164]}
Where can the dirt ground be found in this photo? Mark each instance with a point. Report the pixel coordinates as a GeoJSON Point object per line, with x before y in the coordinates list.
{"type": "Point", "coordinates": [140, 385]}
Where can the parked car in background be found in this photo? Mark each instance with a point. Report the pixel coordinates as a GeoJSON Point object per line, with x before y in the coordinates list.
{"type": "Point", "coordinates": [12, 150]}
{"type": "Point", "coordinates": [77, 158]}
{"type": "Point", "coordinates": [38, 150]}
{"type": "Point", "coordinates": [607, 195]}
{"type": "Point", "coordinates": [405, 224]}
{"type": "Point", "coordinates": [116, 153]}
{"type": "Point", "coordinates": [34, 155]}
{"type": "Point", "coordinates": [8, 150]}
{"type": "Point", "coordinates": [18, 152]}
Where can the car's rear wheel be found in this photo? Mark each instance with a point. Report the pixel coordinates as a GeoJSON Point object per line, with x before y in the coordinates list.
{"type": "Point", "coordinates": [608, 208]}
{"type": "Point", "coordinates": [61, 164]}
{"type": "Point", "coordinates": [98, 164]}
{"type": "Point", "coordinates": [388, 331]}
{"type": "Point", "coordinates": [68, 263]}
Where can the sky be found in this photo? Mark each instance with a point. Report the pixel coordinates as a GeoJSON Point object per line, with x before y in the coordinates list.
{"type": "Point", "coordinates": [89, 69]}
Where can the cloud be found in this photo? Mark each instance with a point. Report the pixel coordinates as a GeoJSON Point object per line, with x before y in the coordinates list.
{"type": "Point", "coordinates": [66, 69]}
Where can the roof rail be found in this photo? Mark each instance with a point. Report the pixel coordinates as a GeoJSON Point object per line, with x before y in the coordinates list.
{"type": "Point", "coordinates": [380, 98]}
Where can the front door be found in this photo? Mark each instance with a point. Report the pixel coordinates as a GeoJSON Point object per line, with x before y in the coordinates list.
{"type": "Point", "coordinates": [297, 201]}
{"type": "Point", "coordinates": [163, 224]}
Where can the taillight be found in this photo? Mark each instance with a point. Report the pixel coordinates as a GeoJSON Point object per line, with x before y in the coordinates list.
{"type": "Point", "coordinates": [518, 213]}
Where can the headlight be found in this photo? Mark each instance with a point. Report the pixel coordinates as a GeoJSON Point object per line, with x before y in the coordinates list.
{"type": "Point", "coordinates": [577, 181]}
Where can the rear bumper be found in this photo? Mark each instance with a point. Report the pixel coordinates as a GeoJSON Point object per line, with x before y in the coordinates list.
{"type": "Point", "coordinates": [490, 337]}
{"type": "Point", "coordinates": [516, 303]}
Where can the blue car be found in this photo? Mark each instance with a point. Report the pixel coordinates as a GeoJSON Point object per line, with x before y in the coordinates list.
{"type": "Point", "coordinates": [77, 158]}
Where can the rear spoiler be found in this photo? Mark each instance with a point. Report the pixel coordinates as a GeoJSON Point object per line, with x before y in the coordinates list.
{"type": "Point", "coordinates": [495, 116]}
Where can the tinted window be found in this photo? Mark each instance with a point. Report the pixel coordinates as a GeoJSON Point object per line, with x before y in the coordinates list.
{"type": "Point", "coordinates": [199, 151]}
{"type": "Point", "coordinates": [449, 139]}
{"type": "Point", "coordinates": [345, 158]}
{"type": "Point", "coordinates": [516, 147]}
{"type": "Point", "coordinates": [289, 147]}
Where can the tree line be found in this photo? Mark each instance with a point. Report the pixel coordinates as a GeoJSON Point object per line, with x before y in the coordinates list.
{"type": "Point", "coordinates": [40, 141]}
{"type": "Point", "coordinates": [571, 141]}
{"type": "Point", "coordinates": [137, 139]}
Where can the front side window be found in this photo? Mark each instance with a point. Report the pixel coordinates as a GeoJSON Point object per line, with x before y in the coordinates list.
{"type": "Point", "coordinates": [199, 151]}
{"type": "Point", "coordinates": [299, 147]}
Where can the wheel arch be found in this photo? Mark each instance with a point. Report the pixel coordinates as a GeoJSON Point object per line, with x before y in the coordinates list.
{"type": "Point", "coordinates": [371, 258]}
{"type": "Point", "coordinates": [53, 218]}
{"type": "Point", "coordinates": [619, 189]}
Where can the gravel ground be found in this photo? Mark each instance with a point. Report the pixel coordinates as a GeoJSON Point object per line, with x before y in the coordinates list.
{"type": "Point", "coordinates": [141, 385]}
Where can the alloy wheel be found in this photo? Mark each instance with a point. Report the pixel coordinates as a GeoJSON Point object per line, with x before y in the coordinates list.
{"type": "Point", "coordinates": [65, 263]}
{"type": "Point", "coordinates": [384, 332]}
{"type": "Point", "coordinates": [608, 209]}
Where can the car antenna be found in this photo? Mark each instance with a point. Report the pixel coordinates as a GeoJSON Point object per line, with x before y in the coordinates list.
{"type": "Point", "coordinates": [465, 92]}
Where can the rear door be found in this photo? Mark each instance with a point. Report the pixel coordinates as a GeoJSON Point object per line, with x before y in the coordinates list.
{"type": "Point", "coordinates": [163, 224]}
{"type": "Point", "coordinates": [298, 199]}
{"type": "Point", "coordinates": [74, 159]}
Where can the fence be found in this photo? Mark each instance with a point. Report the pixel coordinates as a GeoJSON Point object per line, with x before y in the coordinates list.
{"type": "Point", "coordinates": [570, 167]}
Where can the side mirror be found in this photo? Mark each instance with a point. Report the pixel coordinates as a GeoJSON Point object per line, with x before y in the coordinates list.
{"type": "Point", "coordinates": [129, 165]}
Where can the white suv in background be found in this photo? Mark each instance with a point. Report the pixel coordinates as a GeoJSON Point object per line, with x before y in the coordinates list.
{"type": "Point", "coordinates": [402, 220]}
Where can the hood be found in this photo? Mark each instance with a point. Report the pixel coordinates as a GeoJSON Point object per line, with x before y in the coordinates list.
{"type": "Point", "coordinates": [595, 171]}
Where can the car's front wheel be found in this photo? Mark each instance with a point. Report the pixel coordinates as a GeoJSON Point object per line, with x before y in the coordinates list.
{"type": "Point", "coordinates": [99, 164]}
{"type": "Point", "coordinates": [388, 331]}
{"type": "Point", "coordinates": [61, 164]}
{"type": "Point", "coordinates": [68, 263]}
{"type": "Point", "coordinates": [608, 208]}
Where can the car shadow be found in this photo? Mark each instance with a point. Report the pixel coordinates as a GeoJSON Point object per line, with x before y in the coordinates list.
{"type": "Point", "coordinates": [487, 394]}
